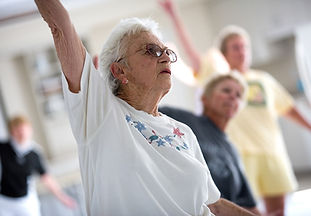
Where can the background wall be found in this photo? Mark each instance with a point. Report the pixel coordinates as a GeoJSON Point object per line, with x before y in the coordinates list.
{"type": "Point", "coordinates": [3, 126]}
{"type": "Point", "coordinates": [271, 25]}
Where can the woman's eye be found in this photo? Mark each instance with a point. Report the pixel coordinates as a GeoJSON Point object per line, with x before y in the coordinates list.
{"type": "Point", "coordinates": [150, 52]}
{"type": "Point", "coordinates": [159, 53]}
{"type": "Point", "coordinates": [226, 90]}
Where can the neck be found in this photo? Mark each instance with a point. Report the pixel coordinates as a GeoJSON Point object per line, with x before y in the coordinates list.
{"type": "Point", "coordinates": [20, 141]}
{"type": "Point", "coordinates": [146, 101]}
{"type": "Point", "coordinates": [220, 121]}
{"type": "Point", "coordinates": [242, 69]}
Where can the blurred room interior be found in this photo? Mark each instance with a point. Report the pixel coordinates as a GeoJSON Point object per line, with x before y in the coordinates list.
{"type": "Point", "coordinates": [30, 73]}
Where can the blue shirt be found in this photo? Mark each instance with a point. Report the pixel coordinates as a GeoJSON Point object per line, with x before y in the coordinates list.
{"type": "Point", "coordinates": [221, 157]}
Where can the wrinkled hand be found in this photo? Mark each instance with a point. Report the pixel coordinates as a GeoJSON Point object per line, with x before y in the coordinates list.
{"type": "Point", "coordinates": [168, 6]}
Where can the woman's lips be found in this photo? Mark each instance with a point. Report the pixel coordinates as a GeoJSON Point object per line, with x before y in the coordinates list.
{"type": "Point", "coordinates": [166, 71]}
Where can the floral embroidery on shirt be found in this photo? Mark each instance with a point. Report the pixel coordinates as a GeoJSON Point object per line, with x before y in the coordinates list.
{"type": "Point", "coordinates": [177, 132]}
{"type": "Point", "coordinates": [152, 137]}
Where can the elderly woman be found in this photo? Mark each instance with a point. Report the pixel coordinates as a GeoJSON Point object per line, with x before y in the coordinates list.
{"type": "Point", "coordinates": [222, 98]}
{"type": "Point", "coordinates": [133, 160]}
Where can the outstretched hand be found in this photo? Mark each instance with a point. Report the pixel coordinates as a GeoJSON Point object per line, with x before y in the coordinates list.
{"type": "Point", "coordinates": [168, 6]}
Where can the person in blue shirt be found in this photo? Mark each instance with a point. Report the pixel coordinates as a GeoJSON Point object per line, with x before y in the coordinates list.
{"type": "Point", "coordinates": [222, 98]}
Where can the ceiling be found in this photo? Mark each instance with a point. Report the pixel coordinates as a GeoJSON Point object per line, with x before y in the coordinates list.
{"type": "Point", "coordinates": [15, 10]}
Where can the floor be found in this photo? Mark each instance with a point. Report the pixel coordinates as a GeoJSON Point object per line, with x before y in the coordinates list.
{"type": "Point", "coordinates": [298, 204]}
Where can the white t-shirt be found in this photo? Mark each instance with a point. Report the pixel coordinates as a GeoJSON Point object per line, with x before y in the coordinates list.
{"type": "Point", "coordinates": [133, 163]}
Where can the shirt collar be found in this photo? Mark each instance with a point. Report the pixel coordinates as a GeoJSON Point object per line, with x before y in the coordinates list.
{"type": "Point", "coordinates": [22, 149]}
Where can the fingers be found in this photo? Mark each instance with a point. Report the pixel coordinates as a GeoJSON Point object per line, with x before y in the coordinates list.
{"type": "Point", "coordinates": [167, 5]}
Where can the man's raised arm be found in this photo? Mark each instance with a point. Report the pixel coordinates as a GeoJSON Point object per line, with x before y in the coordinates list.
{"type": "Point", "coordinates": [69, 47]}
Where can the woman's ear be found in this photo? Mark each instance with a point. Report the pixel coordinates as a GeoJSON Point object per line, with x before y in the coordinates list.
{"type": "Point", "coordinates": [204, 100]}
{"type": "Point", "coordinates": [117, 71]}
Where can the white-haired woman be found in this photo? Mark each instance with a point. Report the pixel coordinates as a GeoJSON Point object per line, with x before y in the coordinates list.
{"type": "Point", "coordinates": [133, 160]}
{"type": "Point", "coordinates": [255, 130]}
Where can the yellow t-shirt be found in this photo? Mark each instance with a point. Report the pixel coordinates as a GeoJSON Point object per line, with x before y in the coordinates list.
{"type": "Point", "coordinates": [255, 129]}
{"type": "Point", "coordinates": [212, 62]}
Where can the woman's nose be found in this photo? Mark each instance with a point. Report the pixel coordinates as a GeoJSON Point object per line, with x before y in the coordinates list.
{"type": "Point", "coordinates": [164, 57]}
{"type": "Point", "coordinates": [233, 95]}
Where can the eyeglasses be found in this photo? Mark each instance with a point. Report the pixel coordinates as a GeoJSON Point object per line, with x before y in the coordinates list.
{"type": "Point", "coordinates": [156, 51]}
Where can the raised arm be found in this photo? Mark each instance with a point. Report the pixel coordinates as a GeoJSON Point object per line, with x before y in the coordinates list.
{"type": "Point", "coordinates": [69, 47]}
{"type": "Point", "coordinates": [193, 54]}
{"type": "Point", "coordinates": [295, 116]}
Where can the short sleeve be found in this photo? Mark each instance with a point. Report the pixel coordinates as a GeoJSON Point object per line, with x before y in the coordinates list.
{"type": "Point", "coordinates": [39, 164]}
{"type": "Point", "coordinates": [87, 108]}
{"type": "Point", "coordinates": [282, 100]}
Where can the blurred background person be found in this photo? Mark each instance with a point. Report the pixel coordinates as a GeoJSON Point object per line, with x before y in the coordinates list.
{"type": "Point", "coordinates": [255, 130]}
{"type": "Point", "coordinates": [223, 97]}
{"type": "Point", "coordinates": [20, 161]}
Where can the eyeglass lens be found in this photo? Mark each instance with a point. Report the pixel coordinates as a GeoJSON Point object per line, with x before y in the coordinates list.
{"type": "Point", "coordinates": [156, 51]}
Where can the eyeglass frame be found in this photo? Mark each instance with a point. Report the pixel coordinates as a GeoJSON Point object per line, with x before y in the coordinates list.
{"type": "Point", "coordinates": [156, 56]}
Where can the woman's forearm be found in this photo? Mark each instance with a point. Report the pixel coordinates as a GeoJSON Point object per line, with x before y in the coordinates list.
{"type": "Point", "coordinates": [69, 47]}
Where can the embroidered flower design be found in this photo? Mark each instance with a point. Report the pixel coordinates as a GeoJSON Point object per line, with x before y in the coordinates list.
{"type": "Point", "coordinates": [177, 132]}
{"type": "Point", "coordinates": [140, 127]}
{"type": "Point", "coordinates": [128, 118]}
{"type": "Point", "coordinates": [153, 137]}
{"type": "Point", "coordinates": [168, 139]}
{"type": "Point", "coordinates": [171, 140]}
{"type": "Point", "coordinates": [160, 142]}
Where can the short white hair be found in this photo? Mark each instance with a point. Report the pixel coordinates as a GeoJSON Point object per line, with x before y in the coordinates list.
{"type": "Point", "coordinates": [228, 32]}
{"type": "Point", "coordinates": [115, 46]}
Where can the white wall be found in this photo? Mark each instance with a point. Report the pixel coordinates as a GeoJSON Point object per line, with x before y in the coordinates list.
{"type": "Point", "coordinates": [265, 20]}
{"type": "Point", "coordinates": [3, 125]}
{"type": "Point", "coordinates": [17, 95]}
